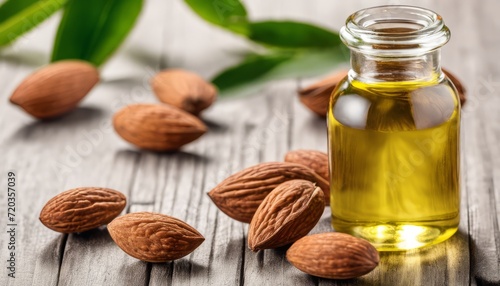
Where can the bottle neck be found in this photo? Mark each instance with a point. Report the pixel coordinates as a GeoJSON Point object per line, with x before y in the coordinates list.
{"type": "Point", "coordinates": [370, 68]}
{"type": "Point", "coordinates": [395, 44]}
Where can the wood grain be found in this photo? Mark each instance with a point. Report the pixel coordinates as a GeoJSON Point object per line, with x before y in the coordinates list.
{"type": "Point", "coordinates": [81, 149]}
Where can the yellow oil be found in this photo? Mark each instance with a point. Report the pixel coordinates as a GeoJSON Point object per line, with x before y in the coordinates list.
{"type": "Point", "coordinates": [394, 157]}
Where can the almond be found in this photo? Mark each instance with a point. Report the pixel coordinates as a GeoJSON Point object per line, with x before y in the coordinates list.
{"type": "Point", "coordinates": [240, 195]}
{"type": "Point", "coordinates": [184, 89]}
{"type": "Point", "coordinates": [82, 209]}
{"type": "Point", "coordinates": [458, 85]}
{"type": "Point", "coordinates": [154, 237]}
{"type": "Point", "coordinates": [157, 127]}
{"type": "Point", "coordinates": [333, 255]}
{"type": "Point", "coordinates": [316, 160]}
{"type": "Point", "coordinates": [288, 213]}
{"type": "Point", "coordinates": [316, 97]}
{"type": "Point", "coordinates": [55, 89]}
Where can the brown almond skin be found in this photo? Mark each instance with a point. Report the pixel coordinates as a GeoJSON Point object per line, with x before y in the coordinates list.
{"type": "Point", "coordinates": [157, 127]}
{"type": "Point", "coordinates": [316, 97]}
{"type": "Point", "coordinates": [240, 195]}
{"type": "Point", "coordinates": [154, 237]}
{"type": "Point", "coordinates": [316, 160]}
{"type": "Point", "coordinates": [458, 85]}
{"type": "Point", "coordinates": [184, 89]}
{"type": "Point", "coordinates": [288, 213]}
{"type": "Point", "coordinates": [82, 209]}
{"type": "Point", "coordinates": [55, 89]}
{"type": "Point", "coordinates": [333, 255]}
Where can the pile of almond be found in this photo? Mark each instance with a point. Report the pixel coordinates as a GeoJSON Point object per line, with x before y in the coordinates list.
{"type": "Point", "coordinates": [283, 201]}
{"type": "Point", "coordinates": [58, 88]}
{"type": "Point", "coordinates": [150, 237]}
{"type": "Point", "coordinates": [168, 126]}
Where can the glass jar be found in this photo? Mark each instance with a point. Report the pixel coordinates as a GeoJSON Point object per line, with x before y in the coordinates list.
{"type": "Point", "coordinates": [393, 130]}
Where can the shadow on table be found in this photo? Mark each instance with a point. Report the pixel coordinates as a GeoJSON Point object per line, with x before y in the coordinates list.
{"type": "Point", "coordinates": [315, 123]}
{"type": "Point", "coordinates": [29, 58]}
{"type": "Point", "coordinates": [485, 270]}
{"type": "Point", "coordinates": [71, 247]}
{"type": "Point", "coordinates": [181, 270]}
{"type": "Point", "coordinates": [185, 267]}
{"type": "Point", "coordinates": [125, 82]}
{"type": "Point", "coordinates": [215, 126]}
{"type": "Point", "coordinates": [98, 236]}
{"type": "Point", "coordinates": [75, 119]}
{"type": "Point", "coordinates": [429, 256]}
{"type": "Point", "coordinates": [134, 154]}
{"type": "Point", "coordinates": [50, 256]}
{"type": "Point", "coordinates": [144, 57]}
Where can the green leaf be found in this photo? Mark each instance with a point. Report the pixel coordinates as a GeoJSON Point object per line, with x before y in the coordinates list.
{"type": "Point", "coordinates": [19, 16]}
{"type": "Point", "coordinates": [92, 30]}
{"type": "Point", "coordinates": [288, 34]}
{"type": "Point", "coordinates": [249, 71]}
{"type": "Point", "coordinates": [228, 14]}
{"type": "Point", "coordinates": [253, 73]}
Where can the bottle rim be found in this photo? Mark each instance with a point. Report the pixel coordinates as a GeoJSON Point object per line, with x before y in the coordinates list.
{"type": "Point", "coordinates": [394, 31]}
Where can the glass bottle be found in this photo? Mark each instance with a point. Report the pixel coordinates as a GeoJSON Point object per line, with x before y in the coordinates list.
{"type": "Point", "coordinates": [393, 130]}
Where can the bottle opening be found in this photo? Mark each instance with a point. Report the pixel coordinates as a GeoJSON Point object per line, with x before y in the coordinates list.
{"type": "Point", "coordinates": [394, 31]}
{"type": "Point", "coordinates": [395, 28]}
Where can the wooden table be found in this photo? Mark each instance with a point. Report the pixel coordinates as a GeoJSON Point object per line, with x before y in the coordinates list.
{"type": "Point", "coordinates": [81, 149]}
